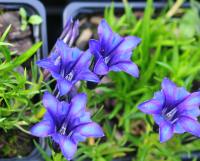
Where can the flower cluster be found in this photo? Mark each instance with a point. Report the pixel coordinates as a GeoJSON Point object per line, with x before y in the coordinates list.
{"type": "Point", "coordinates": [113, 52]}
{"type": "Point", "coordinates": [67, 123]}
{"type": "Point", "coordinates": [71, 66]}
{"type": "Point", "coordinates": [174, 109]}
{"type": "Point", "coordinates": [66, 120]}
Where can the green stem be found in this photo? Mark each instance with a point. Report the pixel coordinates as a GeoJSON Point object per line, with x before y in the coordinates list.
{"type": "Point", "coordinates": [22, 129]}
{"type": "Point", "coordinates": [174, 8]}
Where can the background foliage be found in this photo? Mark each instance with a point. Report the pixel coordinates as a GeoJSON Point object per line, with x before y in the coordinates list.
{"type": "Point", "coordinates": [17, 86]}
{"type": "Point", "coordinates": [169, 48]}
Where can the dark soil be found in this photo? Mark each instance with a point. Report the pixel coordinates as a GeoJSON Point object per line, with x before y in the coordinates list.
{"type": "Point", "coordinates": [15, 143]}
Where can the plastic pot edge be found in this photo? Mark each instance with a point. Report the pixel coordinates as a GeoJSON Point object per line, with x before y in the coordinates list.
{"type": "Point", "coordinates": [34, 155]}
{"type": "Point", "coordinates": [72, 9]}
{"type": "Point", "coordinates": [39, 8]}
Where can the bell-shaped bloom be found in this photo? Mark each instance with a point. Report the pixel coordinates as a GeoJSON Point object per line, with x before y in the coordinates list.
{"type": "Point", "coordinates": [67, 123]}
{"type": "Point", "coordinates": [174, 109]}
{"type": "Point", "coordinates": [70, 31]}
{"type": "Point", "coordinates": [68, 66]}
{"type": "Point", "coordinates": [113, 52]}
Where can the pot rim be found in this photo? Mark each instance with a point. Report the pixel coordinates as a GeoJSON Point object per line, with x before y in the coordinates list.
{"type": "Point", "coordinates": [74, 8]}
{"type": "Point", "coordinates": [37, 7]}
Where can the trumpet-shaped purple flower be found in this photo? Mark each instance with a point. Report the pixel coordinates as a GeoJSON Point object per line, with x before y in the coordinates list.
{"type": "Point", "coordinates": [174, 109]}
{"type": "Point", "coordinates": [67, 66]}
{"type": "Point", "coordinates": [70, 32]}
{"type": "Point", "coordinates": [67, 123]}
{"type": "Point", "coordinates": [113, 52]}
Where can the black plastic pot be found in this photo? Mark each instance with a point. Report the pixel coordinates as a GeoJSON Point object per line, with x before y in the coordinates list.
{"type": "Point", "coordinates": [39, 34]}
{"type": "Point", "coordinates": [32, 7]}
{"type": "Point", "coordinates": [34, 155]}
{"type": "Point", "coordinates": [76, 8]}
{"type": "Point", "coordinates": [81, 9]}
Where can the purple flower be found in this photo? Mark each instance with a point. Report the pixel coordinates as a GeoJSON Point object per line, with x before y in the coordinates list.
{"type": "Point", "coordinates": [68, 66]}
{"type": "Point", "coordinates": [67, 123]}
{"type": "Point", "coordinates": [113, 52]}
{"type": "Point", "coordinates": [174, 109]}
{"type": "Point", "coordinates": [70, 32]}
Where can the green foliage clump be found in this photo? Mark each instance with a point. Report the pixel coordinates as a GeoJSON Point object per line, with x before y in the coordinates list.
{"type": "Point", "coordinates": [169, 48]}
{"type": "Point", "coordinates": [25, 21]}
{"type": "Point", "coordinates": [17, 86]}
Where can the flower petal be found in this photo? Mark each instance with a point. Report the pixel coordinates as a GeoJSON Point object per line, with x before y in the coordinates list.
{"type": "Point", "coordinates": [127, 45]}
{"type": "Point", "coordinates": [75, 31]}
{"type": "Point", "coordinates": [117, 58]}
{"type": "Point", "coordinates": [177, 128]}
{"type": "Point", "coordinates": [126, 66]}
{"type": "Point", "coordinates": [104, 29]}
{"type": "Point", "coordinates": [165, 131]}
{"type": "Point", "coordinates": [76, 53]}
{"type": "Point", "coordinates": [193, 113]}
{"type": "Point", "coordinates": [151, 107]}
{"type": "Point", "coordinates": [82, 118]}
{"type": "Point", "coordinates": [100, 67]}
{"type": "Point", "coordinates": [43, 129]}
{"type": "Point", "coordinates": [78, 103]}
{"type": "Point", "coordinates": [181, 93]}
{"type": "Point", "coordinates": [50, 103]}
{"type": "Point", "coordinates": [173, 94]}
{"type": "Point", "coordinates": [64, 86]}
{"type": "Point", "coordinates": [112, 44]}
{"type": "Point", "coordinates": [190, 106]}
{"type": "Point", "coordinates": [57, 110]}
{"type": "Point", "coordinates": [67, 146]}
{"type": "Point", "coordinates": [87, 75]}
{"type": "Point", "coordinates": [83, 60]}
{"type": "Point", "coordinates": [48, 64]}
{"type": "Point", "coordinates": [62, 111]}
{"type": "Point", "coordinates": [190, 125]}
{"type": "Point", "coordinates": [64, 51]}
{"type": "Point", "coordinates": [90, 130]}
{"type": "Point", "coordinates": [104, 32]}
{"type": "Point", "coordinates": [94, 47]}
{"type": "Point", "coordinates": [77, 137]}
{"type": "Point", "coordinates": [108, 39]}
{"type": "Point", "coordinates": [85, 118]}
{"type": "Point", "coordinates": [159, 119]}
{"type": "Point", "coordinates": [54, 55]}
{"type": "Point", "coordinates": [159, 96]}
{"type": "Point", "coordinates": [168, 87]}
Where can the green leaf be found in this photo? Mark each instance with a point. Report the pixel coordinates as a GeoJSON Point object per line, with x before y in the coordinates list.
{"type": "Point", "coordinates": [5, 50]}
{"type": "Point", "coordinates": [24, 25]}
{"type": "Point", "coordinates": [35, 20]}
{"type": "Point", "coordinates": [26, 55]}
{"type": "Point", "coordinates": [2, 119]}
{"type": "Point", "coordinates": [5, 44]}
{"type": "Point", "coordinates": [20, 59]}
{"type": "Point", "coordinates": [146, 30]}
{"type": "Point", "coordinates": [5, 34]}
{"type": "Point", "coordinates": [22, 13]}
{"type": "Point", "coordinates": [43, 153]}
{"type": "Point", "coordinates": [115, 111]}
{"type": "Point", "coordinates": [165, 65]}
